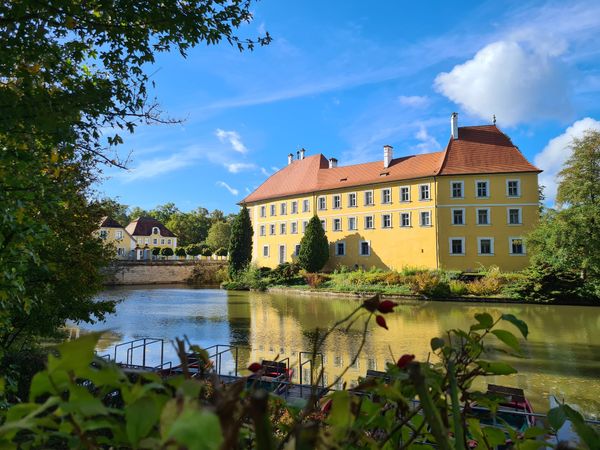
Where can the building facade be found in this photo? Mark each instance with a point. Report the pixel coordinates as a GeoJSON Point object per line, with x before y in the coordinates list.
{"type": "Point", "coordinates": [470, 205]}
{"type": "Point", "coordinates": [149, 233]}
{"type": "Point", "coordinates": [114, 234]}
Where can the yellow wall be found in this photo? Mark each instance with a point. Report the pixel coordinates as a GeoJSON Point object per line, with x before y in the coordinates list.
{"type": "Point", "coordinates": [123, 244]}
{"type": "Point", "coordinates": [161, 241]}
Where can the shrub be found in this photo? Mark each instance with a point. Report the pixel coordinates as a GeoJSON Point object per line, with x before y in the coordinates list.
{"type": "Point", "coordinates": [249, 278]}
{"type": "Point", "coordinates": [193, 249]}
{"type": "Point", "coordinates": [457, 287]}
{"type": "Point", "coordinates": [314, 246]}
{"type": "Point", "coordinates": [166, 251]}
{"type": "Point", "coordinates": [490, 284]}
{"type": "Point", "coordinates": [206, 251]}
{"type": "Point", "coordinates": [394, 278]}
{"type": "Point", "coordinates": [314, 280]}
{"type": "Point", "coordinates": [284, 273]}
{"type": "Point", "coordinates": [221, 251]}
{"type": "Point", "coordinates": [265, 271]}
{"type": "Point", "coordinates": [180, 251]}
{"type": "Point", "coordinates": [429, 283]}
{"type": "Point", "coordinates": [155, 251]}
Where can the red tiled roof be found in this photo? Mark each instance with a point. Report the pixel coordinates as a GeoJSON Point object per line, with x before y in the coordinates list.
{"type": "Point", "coordinates": [481, 149]}
{"type": "Point", "coordinates": [142, 226]}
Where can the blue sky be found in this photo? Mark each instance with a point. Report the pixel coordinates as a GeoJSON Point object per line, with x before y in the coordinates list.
{"type": "Point", "coordinates": [343, 79]}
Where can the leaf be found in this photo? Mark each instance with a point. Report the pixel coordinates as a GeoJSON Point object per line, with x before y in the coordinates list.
{"type": "Point", "coordinates": [494, 436]}
{"type": "Point", "coordinates": [557, 417]}
{"type": "Point", "coordinates": [340, 415]}
{"type": "Point", "coordinates": [496, 368]}
{"type": "Point", "coordinates": [141, 416]}
{"type": "Point", "coordinates": [74, 355]}
{"type": "Point", "coordinates": [521, 325]}
{"type": "Point", "coordinates": [534, 432]}
{"type": "Point", "coordinates": [196, 430]}
{"type": "Point", "coordinates": [509, 339]}
{"type": "Point", "coordinates": [437, 343]}
{"type": "Point", "coordinates": [485, 319]}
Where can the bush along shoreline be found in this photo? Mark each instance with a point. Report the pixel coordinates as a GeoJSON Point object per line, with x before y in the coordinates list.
{"type": "Point", "coordinates": [533, 285]}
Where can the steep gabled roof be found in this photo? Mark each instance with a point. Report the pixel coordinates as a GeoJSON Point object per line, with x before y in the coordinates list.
{"type": "Point", "coordinates": [142, 226]}
{"type": "Point", "coordinates": [478, 149]}
{"type": "Point", "coordinates": [109, 222]}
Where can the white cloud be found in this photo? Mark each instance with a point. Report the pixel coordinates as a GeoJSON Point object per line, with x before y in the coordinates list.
{"type": "Point", "coordinates": [414, 101]}
{"type": "Point", "coordinates": [557, 151]}
{"type": "Point", "coordinates": [239, 167]}
{"type": "Point", "coordinates": [233, 138]}
{"type": "Point", "coordinates": [514, 81]}
{"type": "Point", "coordinates": [428, 143]}
{"type": "Point", "coordinates": [156, 166]}
{"type": "Point", "coordinates": [231, 190]}
{"type": "Point", "coordinates": [264, 171]}
{"type": "Point", "coordinates": [275, 168]}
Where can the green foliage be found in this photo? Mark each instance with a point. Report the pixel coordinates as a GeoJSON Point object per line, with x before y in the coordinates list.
{"type": "Point", "coordinates": [240, 246]}
{"type": "Point", "coordinates": [429, 283]}
{"type": "Point", "coordinates": [206, 251]}
{"type": "Point", "coordinates": [489, 284]}
{"type": "Point", "coordinates": [180, 251]}
{"type": "Point", "coordinates": [166, 251]}
{"type": "Point", "coordinates": [219, 235]}
{"type": "Point", "coordinates": [221, 251]}
{"type": "Point", "coordinates": [155, 251]}
{"type": "Point", "coordinates": [193, 249]}
{"type": "Point", "coordinates": [314, 247]}
{"type": "Point", "coordinates": [284, 273]}
{"type": "Point", "coordinates": [249, 278]}
{"type": "Point", "coordinates": [115, 210]}
{"type": "Point", "coordinates": [457, 287]}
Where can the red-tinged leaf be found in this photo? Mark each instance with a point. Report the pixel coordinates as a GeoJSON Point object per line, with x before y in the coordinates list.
{"type": "Point", "coordinates": [386, 306]}
{"type": "Point", "coordinates": [254, 367]}
{"type": "Point", "coordinates": [405, 360]}
{"type": "Point", "coordinates": [381, 322]}
{"type": "Point", "coordinates": [371, 304]}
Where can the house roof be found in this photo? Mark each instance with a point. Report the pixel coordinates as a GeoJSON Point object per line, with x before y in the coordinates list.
{"type": "Point", "coordinates": [109, 222]}
{"type": "Point", "coordinates": [478, 149]}
{"type": "Point", "coordinates": [142, 226]}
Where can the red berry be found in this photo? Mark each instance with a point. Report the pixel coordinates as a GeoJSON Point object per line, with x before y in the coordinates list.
{"type": "Point", "coordinates": [254, 367]}
{"type": "Point", "coordinates": [405, 360]}
{"type": "Point", "coordinates": [386, 306]}
{"type": "Point", "coordinates": [381, 322]}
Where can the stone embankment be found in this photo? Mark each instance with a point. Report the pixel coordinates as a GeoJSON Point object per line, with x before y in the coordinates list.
{"type": "Point", "coordinates": [165, 272]}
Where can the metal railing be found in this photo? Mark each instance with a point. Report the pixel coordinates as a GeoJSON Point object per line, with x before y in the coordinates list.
{"type": "Point", "coordinates": [135, 344]}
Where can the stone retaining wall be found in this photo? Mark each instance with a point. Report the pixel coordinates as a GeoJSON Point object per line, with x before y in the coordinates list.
{"type": "Point", "coordinates": [157, 272]}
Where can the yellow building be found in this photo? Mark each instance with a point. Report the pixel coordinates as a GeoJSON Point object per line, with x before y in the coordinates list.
{"type": "Point", "coordinates": [113, 233]}
{"type": "Point", "coordinates": [148, 233]}
{"type": "Point", "coordinates": [469, 205]}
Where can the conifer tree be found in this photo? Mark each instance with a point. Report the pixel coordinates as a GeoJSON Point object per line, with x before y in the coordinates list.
{"type": "Point", "coordinates": [240, 245]}
{"type": "Point", "coordinates": [314, 246]}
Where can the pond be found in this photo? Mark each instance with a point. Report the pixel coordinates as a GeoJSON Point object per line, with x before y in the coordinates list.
{"type": "Point", "coordinates": [562, 354]}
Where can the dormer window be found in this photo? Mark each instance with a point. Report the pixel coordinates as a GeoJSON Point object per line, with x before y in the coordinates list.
{"type": "Point", "coordinates": [155, 230]}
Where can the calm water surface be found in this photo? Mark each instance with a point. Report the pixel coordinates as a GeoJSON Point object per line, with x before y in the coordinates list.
{"type": "Point", "coordinates": [562, 352]}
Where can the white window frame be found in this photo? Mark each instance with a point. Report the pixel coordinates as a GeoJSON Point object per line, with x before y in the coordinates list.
{"type": "Point", "coordinates": [293, 227]}
{"type": "Point", "coordinates": [155, 230]}
{"type": "Point", "coordinates": [305, 205]}
{"type": "Point", "coordinates": [337, 197]}
{"type": "Point", "coordinates": [294, 209]}
{"type": "Point", "coordinates": [339, 221]}
{"type": "Point", "coordinates": [510, 252]}
{"type": "Point", "coordinates": [421, 218]}
{"type": "Point", "coordinates": [118, 234]}
{"type": "Point", "coordinates": [273, 209]}
{"type": "Point", "coordinates": [162, 242]}
{"type": "Point", "coordinates": [263, 211]}
{"type": "Point", "coordinates": [304, 224]}
{"type": "Point", "coordinates": [279, 253]}
{"type": "Point", "coordinates": [355, 224]}
{"type": "Point", "coordinates": [104, 234]}
{"type": "Point", "coordinates": [343, 243]}
{"type": "Point", "coordinates": [283, 208]}
{"type": "Point", "coordinates": [168, 241]}
{"type": "Point", "coordinates": [282, 228]}
{"type": "Point", "coordinates": [272, 229]}
{"type": "Point", "coordinates": [324, 224]}
{"type": "Point", "coordinates": [489, 217]}
{"type": "Point", "coordinates": [383, 194]}
{"type": "Point", "coordinates": [492, 251]}
{"type": "Point", "coordinates": [155, 241]}
{"type": "Point", "coordinates": [296, 249]}
{"type": "Point", "coordinates": [462, 189]}
{"type": "Point", "coordinates": [372, 227]}
{"type": "Point", "coordinates": [464, 219]}
{"type": "Point", "coordinates": [487, 188]}
{"type": "Point", "coordinates": [263, 230]}
{"type": "Point", "coordinates": [372, 198]}
{"type": "Point", "coordinates": [268, 253]}
{"type": "Point", "coordinates": [322, 199]}
{"type": "Point", "coordinates": [383, 225]}
{"type": "Point", "coordinates": [518, 180]}
{"type": "Point", "coordinates": [421, 186]}
{"type": "Point", "coordinates": [409, 219]}
{"type": "Point", "coordinates": [350, 205]}
{"type": "Point", "coordinates": [520, 218]}
{"type": "Point", "coordinates": [408, 191]}
{"type": "Point", "coordinates": [464, 250]}
{"type": "Point", "coordinates": [360, 243]}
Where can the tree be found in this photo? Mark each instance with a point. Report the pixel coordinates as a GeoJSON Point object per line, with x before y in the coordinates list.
{"type": "Point", "coordinates": [206, 251]}
{"type": "Point", "coordinates": [191, 227]}
{"type": "Point", "coordinates": [115, 210]}
{"type": "Point", "coordinates": [193, 249]}
{"type": "Point", "coordinates": [219, 235]}
{"type": "Point", "coordinates": [155, 251]}
{"type": "Point", "coordinates": [164, 213]}
{"type": "Point", "coordinates": [166, 251]}
{"type": "Point", "coordinates": [240, 245]}
{"type": "Point", "coordinates": [221, 252]}
{"type": "Point", "coordinates": [135, 213]}
{"type": "Point", "coordinates": [180, 252]}
{"type": "Point", "coordinates": [314, 246]}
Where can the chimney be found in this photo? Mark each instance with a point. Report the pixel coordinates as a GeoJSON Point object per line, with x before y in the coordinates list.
{"type": "Point", "coordinates": [454, 125]}
{"type": "Point", "coordinates": [290, 158]}
{"type": "Point", "coordinates": [332, 163]}
{"type": "Point", "coordinates": [387, 155]}
{"type": "Point", "coordinates": [302, 153]}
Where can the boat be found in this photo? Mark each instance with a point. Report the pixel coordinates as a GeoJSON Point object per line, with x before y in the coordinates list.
{"type": "Point", "coordinates": [273, 376]}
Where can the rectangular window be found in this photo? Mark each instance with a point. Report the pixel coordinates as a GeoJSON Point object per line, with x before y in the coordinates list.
{"type": "Point", "coordinates": [340, 249]}
{"type": "Point", "coordinates": [482, 189]}
{"type": "Point", "coordinates": [368, 198]}
{"type": "Point", "coordinates": [265, 250]}
{"type": "Point", "coordinates": [283, 209]}
{"type": "Point", "coordinates": [457, 246]}
{"type": "Point", "coordinates": [405, 194]}
{"type": "Point", "coordinates": [457, 189]}
{"type": "Point", "coordinates": [272, 229]}
{"type": "Point", "coordinates": [322, 203]}
{"type": "Point", "coordinates": [364, 248]}
{"type": "Point", "coordinates": [282, 228]}
{"type": "Point", "coordinates": [121, 251]}
{"type": "Point", "coordinates": [103, 234]}
{"type": "Point", "coordinates": [337, 224]}
{"type": "Point", "coordinates": [273, 211]}
{"type": "Point", "coordinates": [305, 206]}
{"type": "Point", "coordinates": [262, 230]}
{"type": "Point", "coordinates": [169, 241]}
{"type": "Point", "coordinates": [369, 223]}
{"type": "Point", "coordinates": [147, 241]}
{"type": "Point", "coordinates": [516, 246]}
{"type": "Point", "coordinates": [155, 241]}
{"type": "Point", "coordinates": [162, 242]}
{"type": "Point", "coordinates": [352, 223]}
{"type": "Point", "coordinates": [424, 193]}
{"type": "Point", "coordinates": [295, 207]}
{"type": "Point", "coordinates": [386, 196]}
{"type": "Point", "coordinates": [514, 216]}
{"type": "Point", "coordinates": [263, 211]}
{"type": "Point", "coordinates": [324, 224]}
{"type": "Point", "coordinates": [118, 235]}
{"type": "Point", "coordinates": [458, 216]}
{"type": "Point", "coordinates": [304, 223]}
{"type": "Point", "coordinates": [294, 228]}
{"type": "Point", "coordinates": [483, 216]}
{"type": "Point", "coordinates": [425, 218]}
{"type": "Point", "coordinates": [352, 200]}
{"type": "Point", "coordinates": [386, 221]}
{"type": "Point", "coordinates": [405, 219]}
{"type": "Point", "coordinates": [337, 202]}
{"type": "Point", "coordinates": [297, 250]}
{"type": "Point", "coordinates": [513, 188]}
{"type": "Point", "coordinates": [485, 246]}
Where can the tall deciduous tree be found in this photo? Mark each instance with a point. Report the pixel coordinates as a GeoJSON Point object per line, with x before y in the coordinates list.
{"type": "Point", "coordinates": [219, 235]}
{"type": "Point", "coordinates": [240, 246]}
{"type": "Point", "coordinates": [314, 246]}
